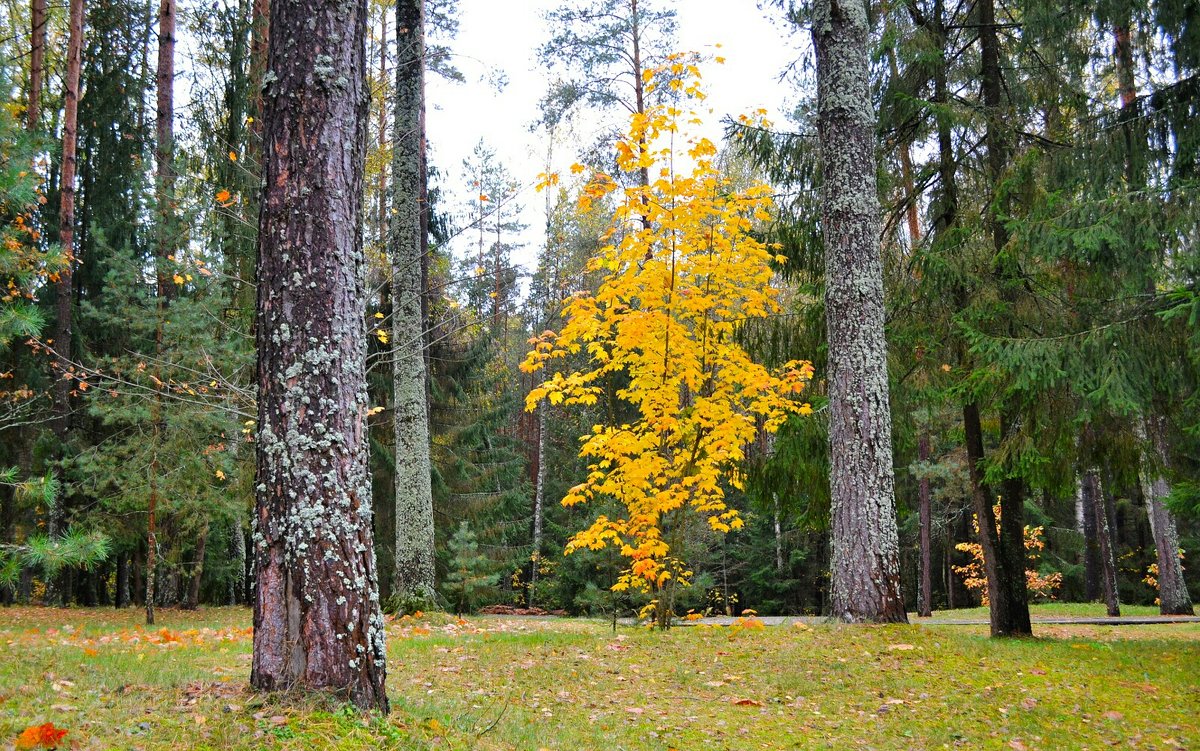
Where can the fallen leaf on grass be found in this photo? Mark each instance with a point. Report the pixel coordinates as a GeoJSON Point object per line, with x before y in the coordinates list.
{"type": "Point", "coordinates": [746, 703]}
{"type": "Point", "coordinates": [1113, 716]}
{"type": "Point", "coordinates": [900, 647]}
{"type": "Point", "coordinates": [40, 736]}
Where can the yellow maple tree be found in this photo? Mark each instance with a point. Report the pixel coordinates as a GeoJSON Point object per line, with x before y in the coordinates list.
{"type": "Point", "coordinates": [681, 272]}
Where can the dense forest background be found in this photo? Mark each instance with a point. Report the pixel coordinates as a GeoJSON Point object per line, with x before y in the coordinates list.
{"type": "Point", "coordinates": [1038, 176]}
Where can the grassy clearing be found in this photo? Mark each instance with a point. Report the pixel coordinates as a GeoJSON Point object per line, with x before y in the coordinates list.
{"type": "Point", "coordinates": [496, 683]}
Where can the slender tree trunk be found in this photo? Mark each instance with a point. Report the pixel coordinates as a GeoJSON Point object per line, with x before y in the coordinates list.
{"type": "Point", "coordinates": [165, 147]}
{"type": "Point", "coordinates": [1008, 597]}
{"type": "Point", "coordinates": [1008, 608]}
{"type": "Point", "coordinates": [152, 523]}
{"type": "Point", "coordinates": [237, 554]}
{"type": "Point", "coordinates": [64, 287]}
{"type": "Point", "coordinates": [1086, 518]}
{"type": "Point", "coordinates": [925, 593]}
{"type": "Point", "coordinates": [1173, 595]}
{"type": "Point", "coordinates": [539, 499]}
{"type": "Point", "coordinates": [317, 620]}
{"type": "Point", "coordinates": [1093, 496]}
{"type": "Point", "coordinates": [193, 594]}
{"type": "Point", "coordinates": [382, 217]}
{"type": "Point", "coordinates": [37, 62]}
{"type": "Point", "coordinates": [121, 596]}
{"type": "Point", "coordinates": [866, 567]}
{"type": "Point", "coordinates": [414, 570]}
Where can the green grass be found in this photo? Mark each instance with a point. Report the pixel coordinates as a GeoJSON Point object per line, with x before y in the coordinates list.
{"type": "Point", "coordinates": [495, 683]}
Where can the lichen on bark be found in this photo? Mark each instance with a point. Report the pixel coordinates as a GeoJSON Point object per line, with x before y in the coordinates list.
{"type": "Point", "coordinates": [317, 619]}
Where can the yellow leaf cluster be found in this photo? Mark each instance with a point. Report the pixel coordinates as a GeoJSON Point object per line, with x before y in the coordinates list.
{"type": "Point", "coordinates": [681, 273]}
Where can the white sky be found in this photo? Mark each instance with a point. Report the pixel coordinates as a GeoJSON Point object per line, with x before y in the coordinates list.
{"type": "Point", "coordinates": [505, 36]}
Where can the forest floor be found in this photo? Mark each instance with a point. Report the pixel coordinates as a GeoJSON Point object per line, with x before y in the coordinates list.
{"type": "Point", "coordinates": [499, 683]}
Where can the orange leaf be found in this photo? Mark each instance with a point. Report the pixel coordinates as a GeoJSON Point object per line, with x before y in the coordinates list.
{"type": "Point", "coordinates": [40, 736]}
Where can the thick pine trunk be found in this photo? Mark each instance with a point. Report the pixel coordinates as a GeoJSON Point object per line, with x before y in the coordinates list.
{"type": "Point", "coordinates": [414, 569]}
{"type": "Point", "coordinates": [866, 568]}
{"type": "Point", "coordinates": [317, 620]}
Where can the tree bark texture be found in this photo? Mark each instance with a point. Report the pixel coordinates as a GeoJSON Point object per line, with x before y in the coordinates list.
{"type": "Point", "coordinates": [1005, 586]}
{"type": "Point", "coordinates": [1008, 598]}
{"type": "Point", "coordinates": [37, 62]}
{"type": "Point", "coordinates": [413, 577]}
{"type": "Point", "coordinates": [866, 569]}
{"type": "Point", "coordinates": [539, 498]}
{"type": "Point", "coordinates": [193, 594]}
{"type": "Point", "coordinates": [1086, 521]}
{"type": "Point", "coordinates": [165, 144]}
{"type": "Point", "coordinates": [317, 619]}
{"type": "Point", "coordinates": [1173, 595]}
{"type": "Point", "coordinates": [1093, 497]}
{"type": "Point", "coordinates": [924, 500]}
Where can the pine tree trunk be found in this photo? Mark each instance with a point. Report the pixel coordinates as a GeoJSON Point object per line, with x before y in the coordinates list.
{"type": "Point", "coordinates": [317, 620]}
{"type": "Point", "coordinates": [924, 500]}
{"type": "Point", "coordinates": [38, 17]}
{"type": "Point", "coordinates": [866, 568]}
{"type": "Point", "coordinates": [164, 151]}
{"type": "Point", "coordinates": [414, 569]}
{"type": "Point", "coordinates": [64, 288]}
{"type": "Point", "coordinates": [1093, 497]}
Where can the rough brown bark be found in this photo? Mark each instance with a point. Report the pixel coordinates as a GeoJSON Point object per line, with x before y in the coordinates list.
{"type": "Point", "coordinates": [865, 567]}
{"type": "Point", "coordinates": [37, 62]}
{"type": "Point", "coordinates": [317, 620]}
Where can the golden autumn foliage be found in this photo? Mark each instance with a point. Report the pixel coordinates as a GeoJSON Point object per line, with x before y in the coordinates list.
{"type": "Point", "coordinates": [975, 579]}
{"type": "Point", "coordinates": [681, 271]}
